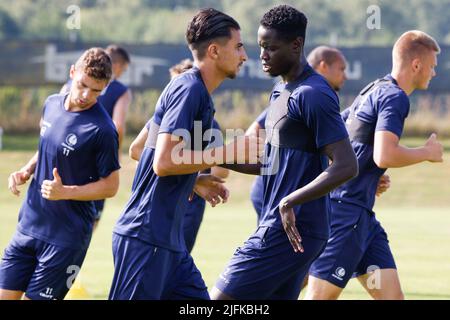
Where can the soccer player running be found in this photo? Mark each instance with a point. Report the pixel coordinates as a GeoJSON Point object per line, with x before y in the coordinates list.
{"type": "Point", "coordinates": [304, 130]}
{"type": "Point", "coordinates": [77, 163]}
{"type": "Point", "coordinates": [115, 99]}
{"type": "Point", "coordinates": [196, 208]}
{"type": "Point", "coordinates": [150, 258]}
{"type": "Point", "coordinates": [358, 244]}
{"type": "Point", "coordinates": [331, 64]}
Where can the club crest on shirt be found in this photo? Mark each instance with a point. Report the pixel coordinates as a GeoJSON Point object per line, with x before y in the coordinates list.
{"type": "Point", "coordinates": [71, 139]}
{"type": "Point", "coordinates": [69, 143]}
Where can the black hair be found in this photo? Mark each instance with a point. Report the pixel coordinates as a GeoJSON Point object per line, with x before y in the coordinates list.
{"type": "Point", "coordinates": [209, 24]}
{"type": "Point", "coordinates": [287, 21]}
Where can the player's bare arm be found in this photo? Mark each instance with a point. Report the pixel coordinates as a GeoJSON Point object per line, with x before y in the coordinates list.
{"type": "Point", "coordinates": [20, 177]}
{"type": "Point", "coordinates": [137, 146]}
{"type": "Point", "coordinates": [104, 188]}
{"type": "Point", "coordinates": [388, 153]}
{"type": "Point", "coordinates": [343, 167]}
{"type": "Point", "coordinates": [120, 112]}
{"type": "Point", "coordinates": [246, 150]}
{"type": "Point", "coordinates": [211, 188]}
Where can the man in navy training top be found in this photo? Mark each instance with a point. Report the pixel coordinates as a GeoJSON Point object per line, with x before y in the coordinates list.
{"type": "Point", "coordinates": [358, 245]}
{"type": "Point", "coordinates": [150, 257]}
{"type": "Point", "coordinates": [304, 130]}
{"type": "Point", "coordinates": [331, 64]}
{"type": "Point", "coordinates": [77, 163]}
{"type": "Point", "coordinates": [194, 215]}
{"type": "Point", "coordinates": [115, 98]}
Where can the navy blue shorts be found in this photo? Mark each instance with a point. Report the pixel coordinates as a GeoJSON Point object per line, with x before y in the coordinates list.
{"type": "Point", "coordinates": [146, 272]}
{"type": "Point", "coordinates": [266, 267]}
{"type": "Point", "coordinates": [358, 244]}
{"type": "Point", "coordinates": [41, 270]}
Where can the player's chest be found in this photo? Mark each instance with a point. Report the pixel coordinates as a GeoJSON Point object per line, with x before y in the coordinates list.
{"type": "Point", "coordinates": [67, 136]}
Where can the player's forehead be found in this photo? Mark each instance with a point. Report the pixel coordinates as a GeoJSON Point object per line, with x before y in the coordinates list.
{"type": "Point", "coordinates": [82, 77]}
{"type": "Point", "coordinates": [433, 58]}
{"type": "Point", "coordinates": [267, 34]}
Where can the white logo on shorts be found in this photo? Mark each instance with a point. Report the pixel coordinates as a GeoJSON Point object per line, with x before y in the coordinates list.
{"type": "Point", "coordinates": [48, 294]}
{"type": "Point", "coordinates": [339, 273]}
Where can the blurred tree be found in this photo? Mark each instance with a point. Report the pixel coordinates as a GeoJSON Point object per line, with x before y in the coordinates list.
{"type": "Point", "coordinates": [153, 21]}
{"type": "Point", "coordinates": [8, 26]}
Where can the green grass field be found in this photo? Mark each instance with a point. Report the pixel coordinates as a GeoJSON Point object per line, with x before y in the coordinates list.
{"type": "Point", "coordinates": [415, 212]}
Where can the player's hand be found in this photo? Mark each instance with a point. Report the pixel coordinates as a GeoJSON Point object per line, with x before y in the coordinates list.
{"type": "Point", "coordinates": [53, 189]}
{"type": "Point", "coordinates": [245, 150]}
{"type": "Point", "coordinates": [288, 220]}
{"type": "Point", "coordinates": [211, 188]}
{"type": "Point", "coordinates": [17, 178]}
{"type": "Point", "coordinates": [435, 149]}
{"type": "Point", "coordinates": [383, 184]}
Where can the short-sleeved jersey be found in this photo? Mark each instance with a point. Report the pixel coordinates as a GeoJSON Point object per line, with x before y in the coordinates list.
{"type": "Point", "coordinates": [154, 213]}
{"type": "Point", "coordinates": [315, 105]}
{"type": "Point", "coordinates": [384, 109]}
{"type": "Point", "coordinates": [83, 146]}
{"type": "Point", "coordinates": [111, 94]}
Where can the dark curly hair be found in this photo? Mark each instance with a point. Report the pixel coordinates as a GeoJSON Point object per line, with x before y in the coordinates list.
{"type": "Point", "coordinates": [96, 63]}
{"type": "Point", "coordinates": [208, 24]}
{"type": "Point", "coordinates": [288, 21]}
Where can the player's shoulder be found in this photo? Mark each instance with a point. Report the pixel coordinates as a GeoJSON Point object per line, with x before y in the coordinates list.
{"type": "Point", "coordinates": [118, 85]}
{"type": "Point", "coordinates": [314, 89]}
{"type": "Point", "coordinates": [53, 102]}
{"type": "Point", "coordinates": [188, 81]}
{"type": "Point", "coordinates": [55, 98]}
{"type": "Point", "coordinates": [389, 92]}
{"type": "Point", "coordinates": [103, 120]}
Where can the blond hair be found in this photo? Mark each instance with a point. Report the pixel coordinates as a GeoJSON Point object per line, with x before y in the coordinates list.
{"type": "Point", "coordinates": [413, 44]}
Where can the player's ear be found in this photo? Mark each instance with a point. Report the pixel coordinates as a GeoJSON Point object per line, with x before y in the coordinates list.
{"type": "Point", "coordinates": [72, 72]}
{"type": "Point", "coordinates": [322, 66]}
{"type": "Point", "coordinates": [416, 65]}
{"type": "Point", "coordinates": [297, 44]}
{"type": "Point", "coordinates": [213, 51]}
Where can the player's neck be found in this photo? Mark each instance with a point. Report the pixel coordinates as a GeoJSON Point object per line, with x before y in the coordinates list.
{"type": "Point", "coordinates": [403, 80]}
{"type": "Point", "coordinates": [210, 76]}
{"type": "Point", "coordinates": [295, 71]}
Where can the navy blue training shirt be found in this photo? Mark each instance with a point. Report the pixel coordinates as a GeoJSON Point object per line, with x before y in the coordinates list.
{"type": "Point", "coordinates": [385, 109]}
{"type": "Point", "coordinates": [83, 146]}
{"type": "Point", "coordinates": [315, 104]}
{"type": "Point", "coordinates": [111, 94]}
{"type": "Point", "coordinates": [155, 211]}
